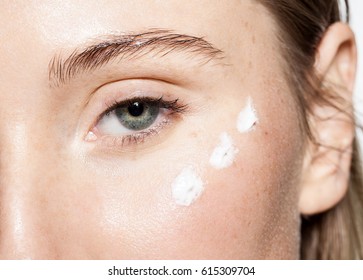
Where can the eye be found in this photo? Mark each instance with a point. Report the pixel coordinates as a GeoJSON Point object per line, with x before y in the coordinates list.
{"type": "Point", "coordinates": [132, 116]}
{"type": "Point", "coordinates": [136, 118]}
{"type": "Point", "coordinates": [138, 115]}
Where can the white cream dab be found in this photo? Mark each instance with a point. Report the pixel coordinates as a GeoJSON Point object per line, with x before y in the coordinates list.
{"type": "Point", "coordinates": [224, 154]}
{"type": "Point", "coordinates": [247, 118]}
{"type": "Point", "coordinates": [187, 187]}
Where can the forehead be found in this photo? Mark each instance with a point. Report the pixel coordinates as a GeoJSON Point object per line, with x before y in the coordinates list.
{"type": "Point", "coordinates": [73, 22]}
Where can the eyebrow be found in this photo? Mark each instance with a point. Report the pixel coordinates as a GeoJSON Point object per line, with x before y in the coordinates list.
{"type": "Point", "coordinates": [128, 46]}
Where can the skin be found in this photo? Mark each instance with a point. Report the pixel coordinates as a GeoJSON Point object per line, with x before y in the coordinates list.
{"type": "Point", "coordinates": [64, 197]}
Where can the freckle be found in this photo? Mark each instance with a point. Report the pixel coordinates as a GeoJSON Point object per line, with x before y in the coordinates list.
{"type": "Point", "coordinates": [235, 236]}
{"type": "Point", "coordinates": [193, 134]}
{"type": "Point", "coordinates": [253, 39]}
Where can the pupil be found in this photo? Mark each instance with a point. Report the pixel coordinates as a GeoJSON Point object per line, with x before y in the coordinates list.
{"type": "Point", "coordinates": [136, 109]}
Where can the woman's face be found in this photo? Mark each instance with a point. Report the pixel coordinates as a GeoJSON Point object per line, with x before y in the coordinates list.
{"type": "Point", "coordinates": [160, 145]}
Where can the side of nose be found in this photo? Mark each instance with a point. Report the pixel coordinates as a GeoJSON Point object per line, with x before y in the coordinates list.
{"type": "Point", "coordinates": [23, 199]}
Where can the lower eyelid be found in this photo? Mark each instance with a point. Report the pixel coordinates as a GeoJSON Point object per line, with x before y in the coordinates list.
{"type": "Point", "coordinates": [133, 138]}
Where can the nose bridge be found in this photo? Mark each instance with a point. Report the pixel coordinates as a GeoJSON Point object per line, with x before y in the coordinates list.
{"type": "Point", "coordinates": [18, 151]}
{"type": "Point", "coordinates": [21, 183]}
{"type": "Point", "coordinates": [25, 147]}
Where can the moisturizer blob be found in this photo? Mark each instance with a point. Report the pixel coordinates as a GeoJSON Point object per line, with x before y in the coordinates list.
{"type": "Point", "coordinates": [187, 187]}
{"type": "Point", "coordinates": [247, 118]}
{"type": "Point", "coordinates": [224, 154]}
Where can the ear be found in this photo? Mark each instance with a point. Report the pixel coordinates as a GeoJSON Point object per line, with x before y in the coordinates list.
{"type": "Point", "coordinates": [327, 162]}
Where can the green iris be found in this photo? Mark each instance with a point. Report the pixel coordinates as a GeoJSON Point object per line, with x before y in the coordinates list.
{"type": "Point", "coordinates": [137, 115]}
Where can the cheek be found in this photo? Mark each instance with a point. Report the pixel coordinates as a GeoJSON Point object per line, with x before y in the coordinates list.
{"type": "Point", "coordinates": [247, 209]}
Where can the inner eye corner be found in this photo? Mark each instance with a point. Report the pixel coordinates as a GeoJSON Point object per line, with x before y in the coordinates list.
{"type": "Point", "coordinates": [90, 136]}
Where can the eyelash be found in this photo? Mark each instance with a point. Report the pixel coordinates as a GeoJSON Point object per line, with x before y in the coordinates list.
{"type": "Point", "coordinates": [174, 106]}
{"type": "Point", "coordinates": [171, 105]}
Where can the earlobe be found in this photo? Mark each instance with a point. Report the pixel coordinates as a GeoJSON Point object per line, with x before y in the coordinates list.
{"type": "Point", "coordinates": [325, 180]}
{"type": "Point", "coordinates": [327, 162]}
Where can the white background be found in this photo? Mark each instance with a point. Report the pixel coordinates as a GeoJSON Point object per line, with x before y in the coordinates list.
{"type": "Point", "coordinates": [264, 270]}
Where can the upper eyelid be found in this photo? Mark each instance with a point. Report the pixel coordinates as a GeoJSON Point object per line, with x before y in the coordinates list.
{"type": "Point", "coordinates": [129, 101]}
{"type": "Point", "coordinates": [173, 104]}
